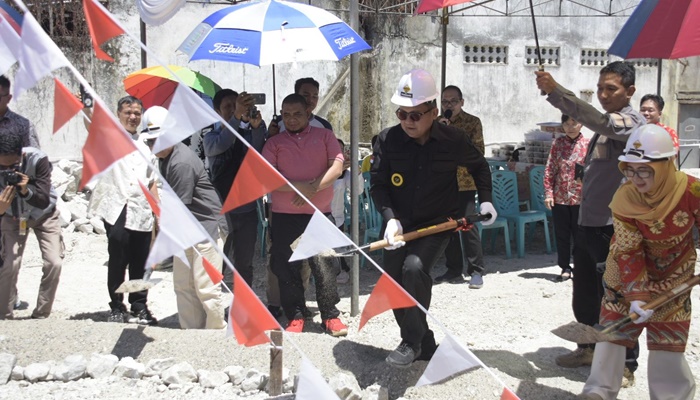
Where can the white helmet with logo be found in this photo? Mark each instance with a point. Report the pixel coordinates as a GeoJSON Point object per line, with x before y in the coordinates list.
{"type": "Point", "coordinates": [415, 87]}
{"type": "Point", "coordinates": [648, 143]}
{"type": "Point", "coordinates": [153, 122]}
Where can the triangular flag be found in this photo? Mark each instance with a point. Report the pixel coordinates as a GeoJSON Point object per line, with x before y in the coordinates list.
{"type": "Point", "coordinates": [507, 394]}
{"type": "Point", "coordinates": [214, 273]}
{"type": "Point", "coordinates": [187, 114]}
{"type": "Point", "coordinates": [249, 317]}
{"type": "Point", "coordinates": [179, 230]}
{"type": "Point", "coordinates": [106, 143]}
{"type": "Point", "coordinates": [449, 359]}
{"type": "Point", "coordinates": [65, 105]}
{"type": "Point", "coordinates": [320, 236]}
{"type": "Point", "coordinates": [38, 56]}
{"type": "Point", "coordinates": [254, 179]}
{"type": "Point", "coordinates": [9, 45]}
{"type": "Point", "coordinates": [102, 27]}
{"type": "Point", "coordinates": [386, 295]}
{"type": "Point", "coordinates": [151, 200]}
{"type": "Point", "coordinates": [311, 384]}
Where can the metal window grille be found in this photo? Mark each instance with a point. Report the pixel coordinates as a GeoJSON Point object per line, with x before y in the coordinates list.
{"type": "Point", "coordinates": [485, 54]}
{"type": "Point", "coordinates": [550, 56]}
{"type": "Point", "coordinates": [594, 57]}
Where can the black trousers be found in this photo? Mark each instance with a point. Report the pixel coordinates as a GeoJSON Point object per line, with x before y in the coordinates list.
{"type": "Point", "coordinates": [285, 230]}
{"type": "Point", "coordinates": [410, 266]}
{"type": "Point", "coordinates": [565, 225]}
{"type": "Point", "coordinates": [240, 245]}
{"type": "Point", "coordinates": [470, 241]}
{"type": "Point", "coordinates": [591, 250]}
{"type": "Point", "coordinates": [126, 248]}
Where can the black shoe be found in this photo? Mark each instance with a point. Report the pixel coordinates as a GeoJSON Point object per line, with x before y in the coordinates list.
{"type": "Point", "coordinates": [276, 311]}
{"type": "Point", "coordinates": [20, 305]}
{"type": "Point", "coordinates": [142, 317]}
{"type": "Point", "coordinates": [449, 276]}
{"type": "Point", "coordinates": [403, 356]}
{"type": "Point", "coordinates": [116, 315]}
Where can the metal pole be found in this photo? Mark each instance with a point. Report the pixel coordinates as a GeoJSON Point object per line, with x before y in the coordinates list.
{"type": "Point", "coordinates": [143, 40]}
{"type": "Point", "coordinates": [274, 91]}
{"type": "Point", "coordinates": [354, 157]}
{"type": "Point", "coordinates": [445, 21]}
{"type": "Point", "coordinates": [658, 77]}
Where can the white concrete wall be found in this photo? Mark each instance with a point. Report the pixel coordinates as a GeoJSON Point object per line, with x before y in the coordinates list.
{"type": "Point", "coordinates": [503, 96]}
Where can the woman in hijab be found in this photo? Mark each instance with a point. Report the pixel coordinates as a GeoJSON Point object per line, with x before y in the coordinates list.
{"type": "Point", "coordinates": [652, 251]}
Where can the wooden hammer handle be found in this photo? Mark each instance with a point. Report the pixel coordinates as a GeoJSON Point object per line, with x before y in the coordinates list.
{"type": "Point", "coordinates": [413, 235]}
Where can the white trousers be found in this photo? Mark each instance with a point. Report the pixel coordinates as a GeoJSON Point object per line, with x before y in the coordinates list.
{"type": "Point", "coordinates": [200, 303]}
{"type": "Point", "coordinates": [668, 374]}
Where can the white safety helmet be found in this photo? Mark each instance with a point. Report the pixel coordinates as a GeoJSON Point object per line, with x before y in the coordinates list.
{"type": "Point", "coordinates": [415, 87]}
{"type": "Point", "coordinates": [648, 143]}
{"type": "Point", "coordinates": [153, 122]}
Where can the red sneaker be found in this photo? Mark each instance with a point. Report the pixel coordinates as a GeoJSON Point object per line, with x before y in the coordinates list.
{"type": "Point", "coordinates": [335, 327]}
{"type": "Point", "coordinates": [295, 325]}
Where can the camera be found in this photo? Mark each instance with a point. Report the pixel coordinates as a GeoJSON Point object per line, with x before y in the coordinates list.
{"type": "Point", "coordinates": [12, 178]}
{"type": "Point", "coordinates": [85, 97]}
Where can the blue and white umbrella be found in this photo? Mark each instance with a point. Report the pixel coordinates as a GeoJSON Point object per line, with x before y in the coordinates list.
{"type": "Point", "coordinates": [270, 32]}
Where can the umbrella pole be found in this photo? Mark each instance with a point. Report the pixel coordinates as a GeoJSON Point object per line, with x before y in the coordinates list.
{"type": "Point", "coordinates": [658, 78]}
{"type": "Point", "coordinates": [445, 21]}
{"type": "Point", "coordinates": [274, 92]}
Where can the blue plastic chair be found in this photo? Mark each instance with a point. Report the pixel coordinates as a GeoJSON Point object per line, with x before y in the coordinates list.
{"type": "Point", "coordinates": [537, 198]}
{"type": "Point", "coordinates": [372, 218]}
{"type": "Point", "coordinates": [499, 223]}
{"type": "Point", "coordinates": [262, 227]}
{"type": "Point", "coordinates": [505, 194]}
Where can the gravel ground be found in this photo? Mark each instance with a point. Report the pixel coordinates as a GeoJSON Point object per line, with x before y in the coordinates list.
{"type": "Point", "coordinates": [506, 324]}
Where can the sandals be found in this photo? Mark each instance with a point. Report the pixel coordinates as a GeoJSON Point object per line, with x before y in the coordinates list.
{"type": "Point", "coordinates": [565, 275]}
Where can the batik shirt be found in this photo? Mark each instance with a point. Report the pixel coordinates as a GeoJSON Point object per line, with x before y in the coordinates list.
{"type": "Point", "coordinates": [471, 125]}
{"type": "Point", "coordinates": [559, 174]}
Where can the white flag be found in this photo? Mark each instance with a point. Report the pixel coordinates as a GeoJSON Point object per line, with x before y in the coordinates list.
{"type": "Point", "coordinates": [312, 386]}
{"type": "Point", "coordinates": [38, 56]}
{"type": "Point", "coordinates": [9, 46]}
{"type": "Point", "coordinates": [179, 230]}
{"type": "Point", "coordinates": [320, 236]}
{"type": "Point", "coordinates": [187, 114]}
{"type": "Point", "coordinates": [449, 359]}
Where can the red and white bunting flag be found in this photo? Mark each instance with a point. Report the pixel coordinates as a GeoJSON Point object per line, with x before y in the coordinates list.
{"type": "Point", "coordinates": [65, 105]}
{"type": "Point", "coordinates": [101, 25]}
{"type": "Point", "coordinates": [320, 236]}
{"type": "Point", "coordinates": [507, 394]}
{"type": "Point", "coordinates": [386, 295]}
{"type": "Point", "coordinates": [450, 358]}
{"type": "Point", "coordinates": [187, 114]}
{"type": "Point", "coordinates": [311, 384]}
{"type": "Point", "coordinates": [179, 230]}
{"type": "Point", "coordinates": [214, 273]}
{"type": "Point", "coordinates": [155, 206]}
{"type": "Point", "coordinates": [38, 56]}
{"type": "Point", "coordinates": [9, 45]}
{"type": "Point", "coordinates": [248, 316]}
{"type": "Point", "coordinates": [107, 142]}
{"type": "Point", "coordinates": [254, 179]}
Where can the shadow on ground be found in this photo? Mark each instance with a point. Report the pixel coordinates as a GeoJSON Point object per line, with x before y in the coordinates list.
{"type": "Point", "coordinates": [170, 321]}
{"type": "Point", "coordinates": [131, 342]}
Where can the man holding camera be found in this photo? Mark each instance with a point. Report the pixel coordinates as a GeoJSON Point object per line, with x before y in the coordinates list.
{"type": "Point", "coordinates": [27, 201]}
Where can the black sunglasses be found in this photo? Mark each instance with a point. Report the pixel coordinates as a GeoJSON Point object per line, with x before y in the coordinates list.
{"type": "Point", "coordinates": [413, 115]}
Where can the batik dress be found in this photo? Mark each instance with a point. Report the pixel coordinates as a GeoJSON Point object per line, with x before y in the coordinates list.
{"type": "Point", "coordinates": [648, 259]}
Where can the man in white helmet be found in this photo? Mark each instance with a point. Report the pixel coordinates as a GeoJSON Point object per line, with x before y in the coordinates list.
{"type": "Point", "coordinates": [199, 301]}
{"type": "Point", "coordinates": [414, 185]}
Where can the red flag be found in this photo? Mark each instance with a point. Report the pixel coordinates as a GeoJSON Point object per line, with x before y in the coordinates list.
{"type": "Point", "coordinates": [387, 295]}
{"type": "Point", "coordinates": [65, 105]}
{"type": "Point", "coordinates": [508, 395]}
{"type": "Point", "coordinates": [214, 274]}
{"type": "Point", "coordinates": [106, 143]}
{"type": "Point", "coordinates": [254, 179]}
{"type": "Point", "coordinates": [151, 200]}
{"type": "Point", "coordinates": [249, 317]}
{"type": "Point", "coordinates": [102, 27]}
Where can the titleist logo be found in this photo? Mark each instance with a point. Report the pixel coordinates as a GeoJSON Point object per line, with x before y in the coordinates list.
{"type": "Point", "coordinates": [228, 48]}
{"type": "Point", "coordinates": [344, 42]}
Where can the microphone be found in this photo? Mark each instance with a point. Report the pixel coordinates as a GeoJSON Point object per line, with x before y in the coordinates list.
{"type": "Point", "coordinates": [447, 114]}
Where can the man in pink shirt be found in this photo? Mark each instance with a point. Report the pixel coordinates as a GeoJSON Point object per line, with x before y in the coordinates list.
{"type": "Point", "coordinates": [311, 159]}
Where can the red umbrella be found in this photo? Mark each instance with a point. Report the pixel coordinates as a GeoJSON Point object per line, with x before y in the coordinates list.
{"type": "Point", "coordinates": [425, 6]}
{"type": "Point", "coordinates": [664, 29]}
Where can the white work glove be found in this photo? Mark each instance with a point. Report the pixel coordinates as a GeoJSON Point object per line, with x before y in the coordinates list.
{"type": "Point", "coordinates": [636, 307]}
{"type": "Point", "coordinates": [393, 228]}
{"type": "Point", "coordinates": [487, 208]}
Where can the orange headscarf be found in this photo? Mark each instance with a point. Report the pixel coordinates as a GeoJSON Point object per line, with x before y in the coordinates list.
{"type": "Point", "coordinates": [656, 204]}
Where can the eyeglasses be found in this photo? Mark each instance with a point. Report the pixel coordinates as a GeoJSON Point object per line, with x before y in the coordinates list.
{"type": "Point", "coordinates": [413, 115]}
{"type": "Point", "coordinates": [446, 103]}
{"type": "Point", "coordinates": [641, 173]}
